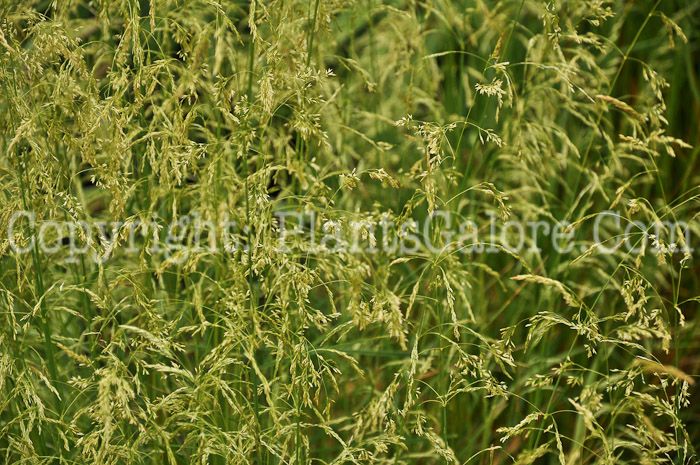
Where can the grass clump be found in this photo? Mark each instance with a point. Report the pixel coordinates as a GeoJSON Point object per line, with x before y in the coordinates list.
{"type": "Point", "coordinates": [289, 326]}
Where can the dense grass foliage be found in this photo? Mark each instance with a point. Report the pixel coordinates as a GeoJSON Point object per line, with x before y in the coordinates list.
{"type": "Point", "coordinates": [124, 116]}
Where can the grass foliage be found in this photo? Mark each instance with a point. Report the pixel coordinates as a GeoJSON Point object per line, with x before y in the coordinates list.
{"type": "Point", "coordinates": [128, 110]}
